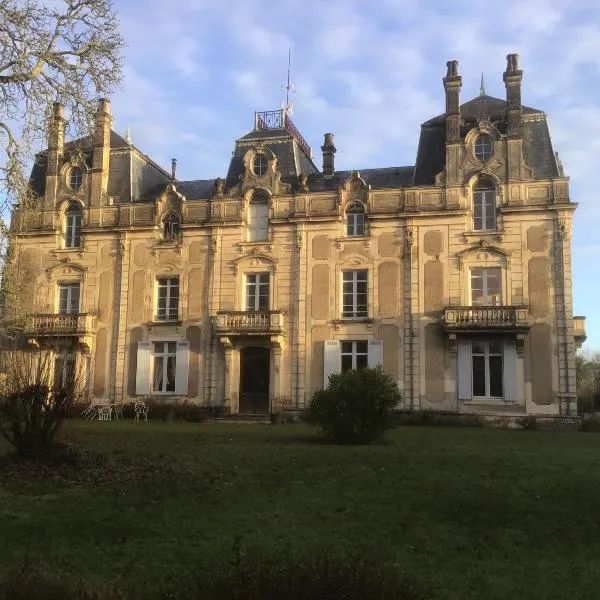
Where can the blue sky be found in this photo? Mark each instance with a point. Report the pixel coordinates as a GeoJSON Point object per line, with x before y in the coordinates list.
{"type": "Point", "coordinates": [370, 72]}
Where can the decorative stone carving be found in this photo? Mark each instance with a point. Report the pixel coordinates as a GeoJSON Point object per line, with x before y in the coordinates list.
{"type": "Point", "coordinates": [219, 186]}
{"type": "Point", "coordinates": [302, 183]}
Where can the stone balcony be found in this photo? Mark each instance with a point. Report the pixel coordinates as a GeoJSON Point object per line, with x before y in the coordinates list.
{"type": "Point", "coordinates": [486, 318]}
{"type": "Point", "coordinates": [579, 330]}
{"type": "Point", "coordinates": [48, 325]}
{"type": "Point", "coordinates": [236, 323]}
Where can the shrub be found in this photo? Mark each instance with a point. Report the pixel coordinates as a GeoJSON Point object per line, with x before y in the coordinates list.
{"type": "Point", "coordinates": [357, 406]}
{"type": "Point", "coordinates": [590, 424]}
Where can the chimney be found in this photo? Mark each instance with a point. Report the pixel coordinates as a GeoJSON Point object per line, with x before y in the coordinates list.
{"type": "Point", "coordinates": [56, 137]}
{"type": "Point", "coordinates": [512, 80]}
{"type": "Point", "coordinates": [173, 168]}
{"type": "Point", "coordinates": [329, 151]}
{"type": "Point", "coordinates": [452, 85]}
{"type": "Point", "coordinates": [101, 154]}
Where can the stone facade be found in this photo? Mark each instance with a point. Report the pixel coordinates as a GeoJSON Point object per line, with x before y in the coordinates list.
{"type": "Point", "coordinates": [454, 274]}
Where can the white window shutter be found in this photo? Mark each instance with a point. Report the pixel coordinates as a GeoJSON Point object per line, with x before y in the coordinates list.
{"type": "Point", "coordinates": [510, 370]}
{"type": "Point", "coordinates": [375, 357]}
{"type": "Point", "coordinates": [332, 361]}
{"type": "Point", "coordinates": [142, 376]}
{"type": "Point", "coordinates": [465, 370]}
{"type": "Point", "coordinates": [182, 362]}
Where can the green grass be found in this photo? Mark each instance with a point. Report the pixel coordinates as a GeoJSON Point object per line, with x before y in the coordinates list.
{"type": "Point", "coordinates": [471, 513]}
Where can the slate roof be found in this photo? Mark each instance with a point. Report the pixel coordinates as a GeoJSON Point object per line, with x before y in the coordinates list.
{"type": "Point", "coordinates": [196, 189]}
{"type": "Point", "coordinates": [537, 145]}
{"type": "Point", "coordinates": [388, 177]}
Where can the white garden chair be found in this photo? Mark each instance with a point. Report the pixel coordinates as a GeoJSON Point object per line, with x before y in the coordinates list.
{"type": "Point", "coordinates": [104, 412]}
{"type": "Point", "coordinates": [141, 411]}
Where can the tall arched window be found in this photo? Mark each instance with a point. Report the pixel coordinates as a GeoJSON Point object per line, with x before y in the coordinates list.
{"type": "Point", "coordinates": [258, 216]}
{"type": "Point", "coordinates": [73, 227]}
{"type": "Point", "coordinates": [355, 219]}
{"type": "Point", "coordinates": [170, 229]}
{"type": "Point", "coordinates": [484, 206]}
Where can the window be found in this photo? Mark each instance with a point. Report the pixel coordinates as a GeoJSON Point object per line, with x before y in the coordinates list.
{"type": "Point", "coordinates": [257, 292]}
{"type": "Point", "coordinates": [260, 164]}
{"type": "Point", "coordinates": [73, 227]}
{"type": "Point", "coordinates": [355, 355]}
{"type": "Point", "coordinates": [487, 369]}
{"type": "Point", "coordinates": [486, 288]}
{"type": "Point", "coordinates": [340, 356]}
{"type": "Point", "coordinates": [354, 294]}
{"type": "Point", "coordinates": [170, 226]}
{"type": "Point", "coordinates": [75, 178]}
{"type": "Point", "coordinates": [484, 147]}
{"type": "Point", "coordinates": [355, 220]}
{"type": "Point", "coordinates": [167, 308]}
{"type": "Point", "coordinates": [164, 367]}
{"type": "Point", "coordinates": [258, 221]}
{"type": "Point", "coordinates": [68, 298]}
{"type": "Point", "coordinates": [484, 207]}
{"type": "Point", "coordinates": [64, 371]}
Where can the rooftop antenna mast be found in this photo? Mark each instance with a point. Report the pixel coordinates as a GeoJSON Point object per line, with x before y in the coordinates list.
{"type": "Point", "coordinates": [290, 87]}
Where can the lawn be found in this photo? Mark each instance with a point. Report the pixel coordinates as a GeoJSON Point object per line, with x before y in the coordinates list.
{"type": "Point", "coordinates": [470, 513]}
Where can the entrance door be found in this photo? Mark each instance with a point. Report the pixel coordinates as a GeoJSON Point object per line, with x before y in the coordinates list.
{"type": "Point", "coordinates": [254, 380]}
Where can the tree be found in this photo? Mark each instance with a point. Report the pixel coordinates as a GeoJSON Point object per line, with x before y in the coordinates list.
{"type": "Point", "coordinates": [66, 51]}
{"type": "Point", "coordinates": [587, 366]}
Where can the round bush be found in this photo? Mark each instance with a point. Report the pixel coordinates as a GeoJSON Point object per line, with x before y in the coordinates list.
{"type": "Point", "coordinates": [356, 407]}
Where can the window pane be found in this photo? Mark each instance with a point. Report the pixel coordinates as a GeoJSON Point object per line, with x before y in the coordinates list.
{"type": "Point", "coordinates": [158, 374]}
{"type": "Point", "coordinates": [496, 376]}
{"type": "Point", "coordinates": [170, 387]}
{"type": "Point", "coordinates": [479, 376]}
{"type": "Point", "coordinates": [495, 347]}
{"type": "Point", "coordinates": [362, 361]}
{"type": "Point", "coordinates": [346, 362]}
{"type": "Point", "coordinates": [478, 348]}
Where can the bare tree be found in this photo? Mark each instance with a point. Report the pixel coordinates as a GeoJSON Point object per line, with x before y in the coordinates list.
{"type": "Point", "coordinates": [64, 51]}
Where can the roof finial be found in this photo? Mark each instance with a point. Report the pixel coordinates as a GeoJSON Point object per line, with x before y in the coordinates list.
{"type": "Point", "coordinates": [482, 86]}
{"type": "Point", "coordinates": [290, 87]}
{"type": "Point", "coordinates": [128, 135]}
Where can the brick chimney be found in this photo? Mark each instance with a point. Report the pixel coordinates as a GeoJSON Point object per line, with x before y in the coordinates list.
{"type": "Point", "coordinates": [512, 80]}
{"type": "Point", "coordinates": [101, 154]}
{"type": "Point", "coordinates": [329, 151]}
{"type": "Point", "coordinates": [452, 85]}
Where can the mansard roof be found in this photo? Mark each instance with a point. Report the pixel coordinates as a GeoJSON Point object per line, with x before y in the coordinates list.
{"type": "Point", "coordinates": [537, 145]}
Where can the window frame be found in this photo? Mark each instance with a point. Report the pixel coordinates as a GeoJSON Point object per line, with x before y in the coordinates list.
{"type": "Point", "coordinates": [67, 307]}
{"type": "Point", "coordinates": [352, 278]}
{"type": "Point", "coordinates": [483, 147]}
{"type": "Point", "coordinates": [75, 177]}
{"type": "Point", "coordinates": [355, 220]}
{"type": "Point", "coordinates": [258, 217]}
{"type": "Point", "coordinates": [73, 224]}
{"type": "Point", "coordinates": [485, 275]}
{"type": "Point", "coordinates": [358, 351]}
{"type": "Point", "coordinates": [168, 313]}
{"type": "Point", "coordinates": [484, 202]}
{"type": "Point", "coordinates": [167, 354]}
{"type": "Point", "coordinates": [260, 164]}
{"type": "Point", "coordinates": [257, 301]}
{"type": "Point", "coordinates": [170, 221]}
{"type": "Point", "coordinates": [487, 355]}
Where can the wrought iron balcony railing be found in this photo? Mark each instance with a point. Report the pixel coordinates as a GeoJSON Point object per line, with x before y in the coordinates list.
{"type": "Point", "coordinates": [248, 322]}
{"type": "Point", "coordinates": [279, 119]}
{"type": "Point", "coordinates": [485, 317]}
{"type": "Point", "coordinates": [61, 324]}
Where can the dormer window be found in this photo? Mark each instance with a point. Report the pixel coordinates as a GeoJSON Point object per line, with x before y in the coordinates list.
{"type": "Point", "coordinates": [484, 147]}
{"type": "Point", "coordinates": [171, 228]}
{"type": "Point", "coordinates": [484, 206]}
{"type": "Point", "coordinates": [258, 216]}
{"type": "Point", "coordinates": [73, 227]}
{"type": "Point", "coordinates": [75, 178]}
{"type": "Point", "coordinates": [259, 165]}
{"type": "Point", "coordinates": [355, 220]}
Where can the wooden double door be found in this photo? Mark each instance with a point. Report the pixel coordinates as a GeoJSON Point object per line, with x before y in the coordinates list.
{"type": "Point", "coordinates": [255, 369]}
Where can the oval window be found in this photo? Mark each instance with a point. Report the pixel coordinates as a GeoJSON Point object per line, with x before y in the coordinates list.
{"type": "Point", "coordinates": [75, 178]}
{"type": "Point", "coordinates": [484, 147]}
{"type": "Point", "coordinates": [260, 164]}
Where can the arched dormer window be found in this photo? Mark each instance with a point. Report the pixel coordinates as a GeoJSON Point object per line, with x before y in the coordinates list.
{"type": "Point", "coordinates": [484, 205]}
{"type": "Point", "coordinates": [355, 220]}
{"type": "Point", "coordinates": [258, 216]}
{"type": "Point", "coordinates": [73, 227]}
{"type": "Point", "coordinates": [170, 226]}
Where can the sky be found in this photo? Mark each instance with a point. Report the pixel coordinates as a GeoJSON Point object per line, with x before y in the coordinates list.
{"type": "Point", "coordinates": [368, 71]}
